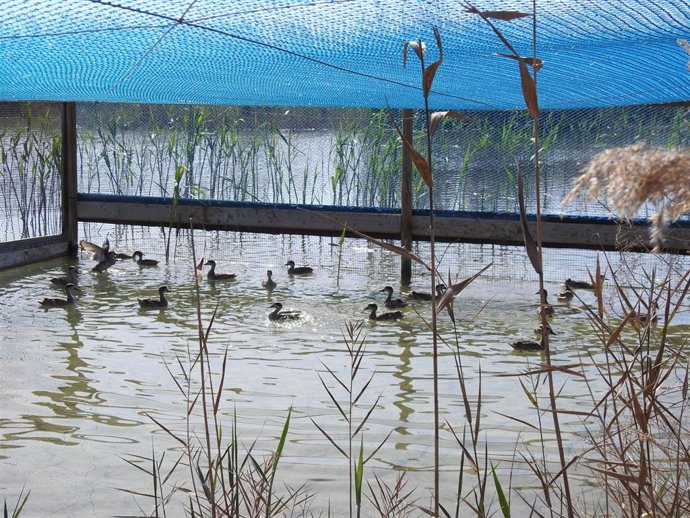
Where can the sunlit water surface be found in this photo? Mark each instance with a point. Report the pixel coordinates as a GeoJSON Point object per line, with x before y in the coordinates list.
{"type": "Point", "coordinates": [78, 386]}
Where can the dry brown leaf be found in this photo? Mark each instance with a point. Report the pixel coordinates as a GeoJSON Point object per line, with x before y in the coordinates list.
{"type": "Point", "coordinates": [535, 63]}
{"type": "Point", "coordinates": [529, 89]}
{"type": "Point", "coordinates": [418, 47]}
{"type": "Point", "coordinates": [430, 71]}
{"type": "Point", "coordinates": [498, 15]}
{"type": "Point", "coordinates": [530, 245]}
{"type": "Point", "coordinates": [454, 290]}
{"type": "Point", "coordinates": [418, 160]}
{"type": "Point", "coordinates": [437, 117]}
{"type": "Point", "coordinates": [640, 416]}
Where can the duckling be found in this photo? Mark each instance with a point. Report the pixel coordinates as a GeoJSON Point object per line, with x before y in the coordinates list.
{"type": "Point", "coordinates": [213, 276]}
{"type": "Point", "coordinates": [69, 288]}
{"type": "Point", "coordinates": [390, 302]}
{"type": "Point", "coordinates": [418, 295]}
{"type": "Point", "coordinates": [392, 315]}
{"type": "Point", "coordinates": [143, 262]}
{"type": "Point", "coordinates": [277, 314]}
{"type": "Point", "coordinates": [566, 295]}
{"type": "Point", "coordinates": [160, 302]}
{"type": "Point", "coordinates": [71, 278]}
{"type": "Point", "coordinates": [106, 263]}
{"type": "Point", "coordinates": [548, 308]}
{"type": "Point", "coordinates": [297, 270]}
{"type": "Point", "coordinates": [98, 253]}
{"type": "Point", "coordinates": [268, 282]}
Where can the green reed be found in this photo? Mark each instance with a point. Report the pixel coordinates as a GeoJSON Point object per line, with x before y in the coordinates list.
{"type": "Point", "coordinates": [30, 164]}
{"type": "Point", "coordinates": [355, 413]}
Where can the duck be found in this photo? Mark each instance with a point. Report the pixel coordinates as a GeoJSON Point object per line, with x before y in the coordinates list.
{"type": "Point", "coordinates": [268, 282]}
{"type": "Point", "coordinates": [122, 256]}
{"type": "Point", "coordinates": [297, 270]}
{"type": "Point", "coordinates": [391, 315]}
{"type": "Point", "coordinates": [538, 330]}
{"type": "Point", "coordinates": [69, 288]}
{"type": "Point", "coordinates": [71, 278]}
{"type": "Point", "coordinates": [160, 302]}
{"type": "Point", "coordinates": [213, 276]}
{"type": "Point", "coordinates": [143, 262]}
{"type": "Point", "coordinates": [565, 295]}
{"type": "Point", "coordinates": [548, 308]}
{"type": "Point", "coordinates": [528, 345]}
{"type": "Point", "coordinates": [98, 253]}
{"type": "Point", "coordinates": [106, 263]}
{"type": "Point", "coordinates": [578, 285]}
{"type": "Point", "coordinates": [643, 319]}
{"type": "Point", "coordinates": [390, 302]}
{"type": "Point", "coordinates": [532, 345]}
{"type": "Point", "coordinates": [422, 296]}
{"type": "Point", "coordinates": [277, 314]}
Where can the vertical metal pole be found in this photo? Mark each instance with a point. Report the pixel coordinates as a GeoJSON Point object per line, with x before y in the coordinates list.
{"type": "Point", "coordinates": [406, 200]}
{"type": "Point", "coordinates": [69, 175]}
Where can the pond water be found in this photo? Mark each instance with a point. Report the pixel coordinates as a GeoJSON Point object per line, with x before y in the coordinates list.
{"type": "Point", "coordinates": [77, 385]}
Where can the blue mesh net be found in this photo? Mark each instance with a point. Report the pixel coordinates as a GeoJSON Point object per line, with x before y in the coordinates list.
{"type": "Point", "coordinates": [339, 53]}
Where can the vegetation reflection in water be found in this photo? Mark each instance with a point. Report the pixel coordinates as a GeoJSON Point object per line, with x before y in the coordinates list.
{"type": "Point", "coordinates": [78, 383]}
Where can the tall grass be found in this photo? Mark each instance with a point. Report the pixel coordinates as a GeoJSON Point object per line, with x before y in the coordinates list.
{"type": "Point", "coordinates": [640, 439]}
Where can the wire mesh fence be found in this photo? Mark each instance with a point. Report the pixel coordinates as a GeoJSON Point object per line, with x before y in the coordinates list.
{"type": "Point", "coordinates": [311, 156]}
{"type": "Point", "coordinates": [349, 157]}
{"type": "Point", "coordinates": [30, 164]}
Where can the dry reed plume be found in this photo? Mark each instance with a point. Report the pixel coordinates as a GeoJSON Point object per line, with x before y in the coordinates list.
{"type": "Point", "coordinates": [636, 174]}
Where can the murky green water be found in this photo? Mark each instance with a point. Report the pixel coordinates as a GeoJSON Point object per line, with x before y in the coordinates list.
{"type": "Point", "coordinates": [77, 385]}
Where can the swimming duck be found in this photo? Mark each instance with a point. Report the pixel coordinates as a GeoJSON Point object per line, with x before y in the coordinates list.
{"type": "Point", "coordinates": [565, 295]}
{"type": "Point", "coordinates": [106, 263]}
{"type": "Point", "coordinates": [642, 319]}
{"type": "Point", "coordinates": [578, 285]}
{"type": "Point", "coordinates": [98, 253]}
{"type": "Point", "coordinates": [531, 345]}
{"type": "Point", "coordinates": [548, 308]}
{"type": "Point", "coordinates": [391, 315]}
{"type": "Point", "coordinates": [160, 302]}
{"type": "Point", "coordinates": [538, 331]}
{"type": "Point", "coordinates": [268, 282]}
{"type": "Point", "coordinates": [277, 314]}
{"type": "Point", "coordinates": [390, 302]}
{"type": "Point", "coordinates": [213, 276]}
{"type": "Point", "coordinates": [297, 270]}
{"type": "Point", "coordinates": [418, 295]}
{"type": "Point", "coordinates": [69, 288]}
{"type": "Point", "coordinates": [71, 278]}
{"type": "Point", "coordinates": [143, 262]}
{"type": "Point", "coordinates": [528, 345]}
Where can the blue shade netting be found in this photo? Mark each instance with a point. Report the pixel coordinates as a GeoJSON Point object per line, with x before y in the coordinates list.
{"type": "Point", "coordinates": [345, 53]}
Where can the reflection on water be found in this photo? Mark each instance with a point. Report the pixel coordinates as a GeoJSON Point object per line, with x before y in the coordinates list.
{"type": "Point", "coordinates": [77, 384]}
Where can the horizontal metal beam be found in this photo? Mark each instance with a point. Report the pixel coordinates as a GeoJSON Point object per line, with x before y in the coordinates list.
{"type": "Point", "coordinates": [291, 219]}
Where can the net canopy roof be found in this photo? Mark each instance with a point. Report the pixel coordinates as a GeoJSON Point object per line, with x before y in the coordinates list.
{"type": "Point", "coordinates": [346, 53]}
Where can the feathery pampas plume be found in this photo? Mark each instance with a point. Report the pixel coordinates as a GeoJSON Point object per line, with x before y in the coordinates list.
{"type": "Point", "coordinates": [633, 175]}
